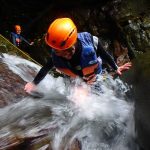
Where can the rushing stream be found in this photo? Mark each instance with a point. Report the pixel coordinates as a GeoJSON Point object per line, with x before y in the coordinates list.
{"type": "Point", "coordinates": [71, 110]}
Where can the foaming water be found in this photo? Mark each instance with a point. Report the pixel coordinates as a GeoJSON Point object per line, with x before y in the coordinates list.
{"type": "Point", "coordinates": [101, 121]}
{"type": "Point", "coordinates": [70, 110]}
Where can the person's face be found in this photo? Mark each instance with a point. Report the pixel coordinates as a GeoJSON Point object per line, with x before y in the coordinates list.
{"type": "Point", "coordinates": [18, 31]}
{"type": "Point", "coordinates": [67, 53]}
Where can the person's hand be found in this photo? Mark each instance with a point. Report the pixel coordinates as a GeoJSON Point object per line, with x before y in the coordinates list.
{"type": "Point", "coordinates": [29, 87]}
{"type": "Point", "coordinates": [124, 67]}
{"type": "Point", "coordinates": [31, 43]}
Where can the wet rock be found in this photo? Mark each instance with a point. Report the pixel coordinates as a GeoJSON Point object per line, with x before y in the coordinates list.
{"type": "Point", "coordinates": [25, 143]}
{"type": "Point", "coordinates": [76, 145]}
{"type": "Point", "coordinates": [12, 91]}
{"type": "Point", "coordinates": [11, 86]}
{"type": "Point", "coordinates": [142, 100]}
{"type": "Point", "coordinates": [139, 78]}
{"type": "Point", "coordinates": [120, 54]}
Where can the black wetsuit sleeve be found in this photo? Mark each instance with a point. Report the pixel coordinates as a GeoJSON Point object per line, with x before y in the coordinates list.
{"type": "Point", "coordinates": [43, 72]}
{"type": "Point", "coordinates": [23, 39]}
{"type": "Point", "coordinates": [105, 55]}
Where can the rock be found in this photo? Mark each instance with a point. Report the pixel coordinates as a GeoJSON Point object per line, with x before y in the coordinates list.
{"type": "Point", "coordinates": [11, 86]}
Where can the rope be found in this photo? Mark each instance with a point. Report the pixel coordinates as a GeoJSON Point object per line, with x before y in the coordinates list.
{"type": "Point", "coordinates": [25, 54]}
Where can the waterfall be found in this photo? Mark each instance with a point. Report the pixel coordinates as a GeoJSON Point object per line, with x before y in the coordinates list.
{"type": "Point", "coordinates": [71, 110]}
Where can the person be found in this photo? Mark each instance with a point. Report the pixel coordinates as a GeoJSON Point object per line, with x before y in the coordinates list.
{"type": "Point", "coordinates": [74, 54]}
{"type": "Point", "coordinates": [16, 37]}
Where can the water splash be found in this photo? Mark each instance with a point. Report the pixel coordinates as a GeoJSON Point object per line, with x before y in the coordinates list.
{"type": "Point", "coordinates": [99, 121]}
{"type": "Point", "coordinates": [72, 110]}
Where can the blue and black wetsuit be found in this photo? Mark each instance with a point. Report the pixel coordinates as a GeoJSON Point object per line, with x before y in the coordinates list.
{"type": "Point", "coordinates": [17, 39]}
{"type": "Point", "coordinates": [74, 61]}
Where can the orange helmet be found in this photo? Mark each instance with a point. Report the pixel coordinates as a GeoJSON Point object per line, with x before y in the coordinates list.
{"type": "Point", "coordinates": [17, 27]}
{"type": "Point", "coordinates": [62, 34]}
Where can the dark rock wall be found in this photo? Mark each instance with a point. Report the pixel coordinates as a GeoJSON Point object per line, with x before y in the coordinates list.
{"type": "Point", "coordinates": [139, 78]}
{"type": "Point", "coordinates": [142, 99]}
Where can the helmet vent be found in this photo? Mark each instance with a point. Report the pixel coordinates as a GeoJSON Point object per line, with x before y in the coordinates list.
{"type": "Point", "coordinates": [64, 42]}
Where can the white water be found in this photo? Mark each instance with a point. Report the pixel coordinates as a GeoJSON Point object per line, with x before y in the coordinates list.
{"type": "Point", "coordinates": [71, 111]}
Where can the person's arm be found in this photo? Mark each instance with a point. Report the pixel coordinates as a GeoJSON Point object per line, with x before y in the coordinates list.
{"type": "Point", "coordinates": [43, 72]}
{"type": "Point", "coordinates": [106, 56]}
{"type": "Point", "coordinates": [31, 86]}
{"type": "Point", "coordinates": [23, 39]}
